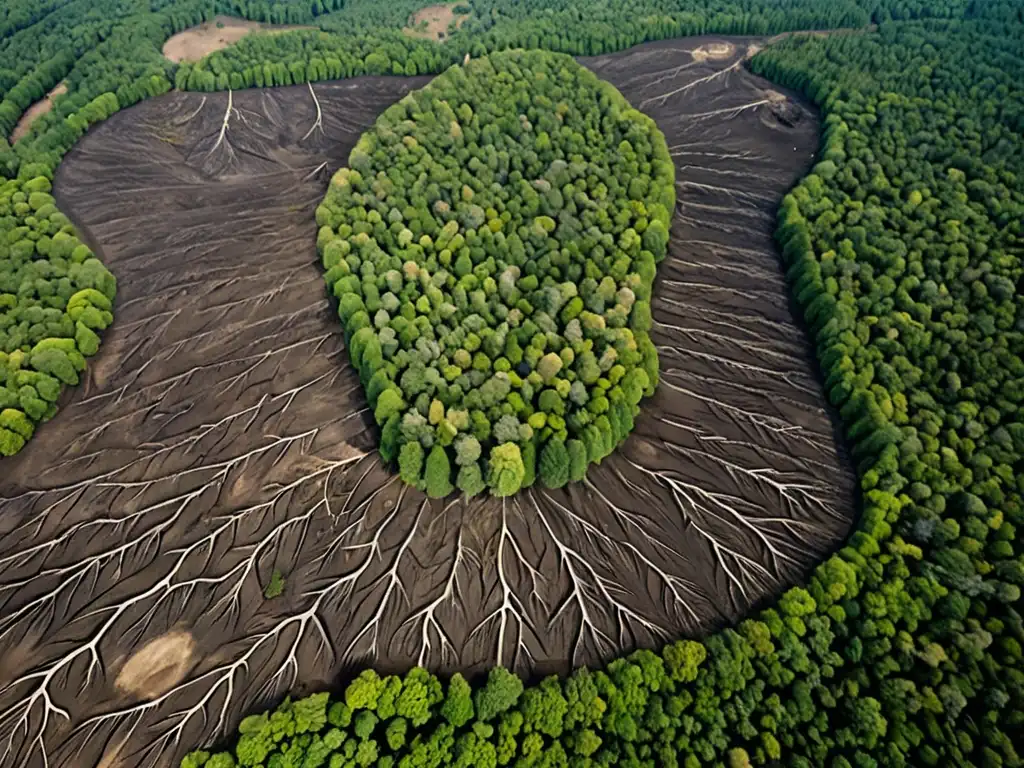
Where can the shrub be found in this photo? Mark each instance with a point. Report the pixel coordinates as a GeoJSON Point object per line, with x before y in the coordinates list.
{"type": "Point", "coordinates": [470, 480]}
{"type": "Point", "coordinates": [439, 470]}
{"type": "Point", "coordinates": [410, 463]}
{"type": "Point", "coordinates": [499, 693]}
{"type": "Point", "coordinates": [577, 460]}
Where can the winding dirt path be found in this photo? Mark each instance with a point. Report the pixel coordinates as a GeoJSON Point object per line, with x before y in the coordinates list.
{"type": "Point", "coordinates": [36, 111]}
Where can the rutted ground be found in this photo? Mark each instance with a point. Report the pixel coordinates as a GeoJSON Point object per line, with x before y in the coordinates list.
{"type": "Point", "coordinates": [222, 435]}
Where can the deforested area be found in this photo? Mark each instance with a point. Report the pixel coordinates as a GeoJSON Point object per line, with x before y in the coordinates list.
{"type": "Point", "coordinates": [204, 564]}
{"type": "Point", "coordinates": [217, 34]}
{"type": "Point", "coordinates": [220, 528]}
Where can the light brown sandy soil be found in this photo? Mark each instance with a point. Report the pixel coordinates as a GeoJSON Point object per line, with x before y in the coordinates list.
{"type": "Point", "coordinates": [222, 434]}
{"type": "Point", "coordinates": [438, 19]}
{"type": "Point", "coordinates": [38, 109]}
{"type": "Point", "coordinates": [197, 42]}
{"type": "Point", "coordinates": [713, 52]}
{"type": "Point", "coordinates": [157, 667]}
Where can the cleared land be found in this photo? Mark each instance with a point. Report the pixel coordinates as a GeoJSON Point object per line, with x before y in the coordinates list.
{"type": "Point", "coordinates": [36, 111]}
{"type": "Point", "coordinates": [195, 43]}
{"type": "Point", "coordinates": [222, 436]}
{"type": "Point", "coordinates": [432, 22]}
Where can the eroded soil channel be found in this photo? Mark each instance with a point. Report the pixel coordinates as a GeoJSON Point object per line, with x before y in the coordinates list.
{"type": "Point", "coordinates": [222, 435]}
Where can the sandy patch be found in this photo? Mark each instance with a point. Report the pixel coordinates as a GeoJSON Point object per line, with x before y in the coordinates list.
{"type": "Point", "coordinates": [195, 43]}
{"type": "Point", "coordinates": [432, 22]}
{"type": "Point", "coordinates": [157, 667]}
{"type": "Point", "coordinates": [41, 107]}
{"type": "Point", "coordinates": [713, 52]}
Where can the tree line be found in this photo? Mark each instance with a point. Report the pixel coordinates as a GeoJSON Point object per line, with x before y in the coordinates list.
{"type": "Point", "coordinates": [55, 297]}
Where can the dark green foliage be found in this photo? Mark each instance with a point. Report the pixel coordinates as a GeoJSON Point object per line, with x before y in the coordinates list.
{"type": "Point", "coordinates": [467, 271]}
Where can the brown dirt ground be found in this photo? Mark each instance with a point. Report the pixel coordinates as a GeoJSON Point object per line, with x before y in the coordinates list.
{"type": "Point", "coordinates": [222, 434]}
{"type": "Point", "coordinates": [438, 19]}
{"type": "Point", "coordinates": [37, 110]}
{"type": "Point", "coordinates": [195, 43]}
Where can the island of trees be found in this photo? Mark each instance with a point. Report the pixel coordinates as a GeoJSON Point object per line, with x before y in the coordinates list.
{"type": "Point", "coordinates": [492, 247]}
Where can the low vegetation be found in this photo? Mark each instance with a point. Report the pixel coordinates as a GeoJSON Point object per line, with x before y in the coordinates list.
{"type": "Point", "coordinates": [455, 243]}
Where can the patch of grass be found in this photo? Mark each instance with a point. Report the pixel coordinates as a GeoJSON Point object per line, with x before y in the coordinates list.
{"type": "Point", "coordinates": [275, 586]}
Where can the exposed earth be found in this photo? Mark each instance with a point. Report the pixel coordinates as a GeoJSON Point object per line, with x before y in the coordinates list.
{"type": "Point", "coordinates": [432, 22]}
{"type": "Point", "coordinates": [222, 435]}
{"type": "Point", "coordinates": [196, 42]}
{"type": "Point", "coordinates": [36, 111]}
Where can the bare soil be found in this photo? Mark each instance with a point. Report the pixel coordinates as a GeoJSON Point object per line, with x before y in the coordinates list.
{"type": "Point", "coordinates": [437, 19]}
{"type": "Point", "coordinates": [157, 667]}
{"type": "Point", "coordinates": [713, 52]}
{"type": "Point", "coordinates": [222, 434]}
{"type": "Point", "coordinates": [196, 42]}
{"type": "Point", "coordinates": [36, 111]}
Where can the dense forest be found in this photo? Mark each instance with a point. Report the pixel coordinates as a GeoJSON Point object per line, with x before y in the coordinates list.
{"type": "Point", "coordinates": [492, 247]}
{"type": "Point", "coordinates": [904, 250]}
